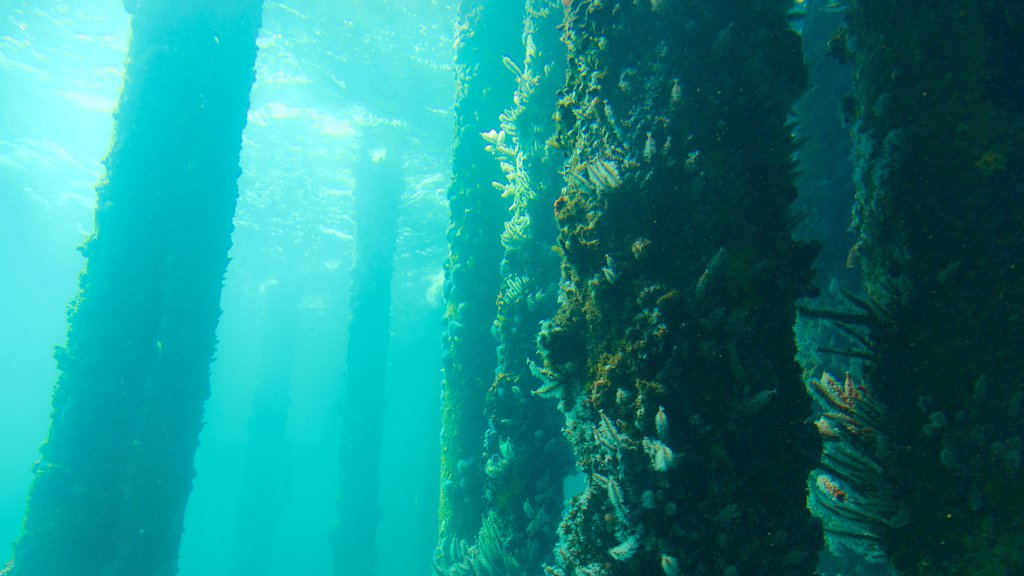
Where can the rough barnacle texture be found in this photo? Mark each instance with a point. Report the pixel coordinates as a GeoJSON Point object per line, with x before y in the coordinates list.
{"type": "Point", "coordinates": [487, 30]}
{"type": "Point", "coordinates": [939, 152]}
{"type": "Point", "coordinates": [527, 457]}
{"type": "Point", "coordinates": [672, 350]}
{"type": "Point", "coordinates": [115, 474]}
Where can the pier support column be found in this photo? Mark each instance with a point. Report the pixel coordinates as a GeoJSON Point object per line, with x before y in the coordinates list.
{"type": "Point", "coordinates": [116, 471]}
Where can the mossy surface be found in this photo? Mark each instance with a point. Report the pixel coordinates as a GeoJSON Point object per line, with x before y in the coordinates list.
{"type": "Point", "coordinates": [486, 31]}
{"type": "Point", "coordinates": [939, 148]}
{"type": "Point", "coordinates": [673, 347]}
{"type": "Point", "coordinates": [525, 456]}
{"type": "Point", "coordinates": [115, 474]}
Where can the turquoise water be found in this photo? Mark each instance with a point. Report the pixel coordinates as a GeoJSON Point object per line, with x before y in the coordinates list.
{"type": "Point", "coordinates": [732, 289]}
{"type": "Point", "coordinates": [62, 76]}
{"type": "Point", "coordinates": [326, 74]}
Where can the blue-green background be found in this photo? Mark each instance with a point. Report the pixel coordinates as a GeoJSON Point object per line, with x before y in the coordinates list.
{"type": "Point", "coordinates": [328, 73]}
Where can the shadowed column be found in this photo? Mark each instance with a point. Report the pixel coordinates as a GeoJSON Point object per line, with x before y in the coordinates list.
{"type": "Point", "coordinates": [110, 490]}
{"type": "Point", "coordinates": [672, 350]}
{"type": "Point", "coordinates": [939, 150]}
{"type": "Point", "coordinates": [378, 192]}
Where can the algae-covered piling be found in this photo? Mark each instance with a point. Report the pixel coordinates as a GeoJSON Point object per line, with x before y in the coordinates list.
{"type": "Point", "coordinates": [487, 30]}
{"type": "Point", "coordinates": [939, 146]}
{"type": "Point", "coordinates": [672, 351]}
{"type": "Point", "coordinates": [526, 457]}
{"type": "Point", "coordinates": [116, 471]}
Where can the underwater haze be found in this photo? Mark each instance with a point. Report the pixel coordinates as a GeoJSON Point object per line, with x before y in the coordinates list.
{"type": "Point", "coordinates": [63, 67]}
{"type": "Point", "coordinates": [512, 287]}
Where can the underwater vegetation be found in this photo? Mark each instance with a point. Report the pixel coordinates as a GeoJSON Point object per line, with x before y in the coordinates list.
{"type": "Point", "coordinates": [641, 373]}
{"type": "Point", "coordinates": [851, 492]}
{"type": "Point", "coordinates": [486, 30]}
{"type": "Point", "coordinates": [672, 350]}
{"type": "Point", "coordinates": [938, 132]}
{"type": "Point", "coordinates": [679, 281]}
{"type": "Point", "coordinates": [526, 456]}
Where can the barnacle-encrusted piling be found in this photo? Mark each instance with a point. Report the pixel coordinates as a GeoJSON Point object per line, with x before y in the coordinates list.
{"type": "Point", "coordinates": [526, 455]}
{"type": "Point", "coordinates": [115, 474]}
{"type": "Point", "coordinates": [939, 151]}
{"type": "Point", "coordinates": [487, 31]}
{"type": "Point", "coordinates": [672, 351]}
{"type": "Point", "coordinates": [378, 192]}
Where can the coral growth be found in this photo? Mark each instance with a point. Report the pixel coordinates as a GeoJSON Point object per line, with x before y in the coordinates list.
{"type": "Point", "coordinates": [671, 352]}
{"type": "Point", "coordinates": [850, 492]}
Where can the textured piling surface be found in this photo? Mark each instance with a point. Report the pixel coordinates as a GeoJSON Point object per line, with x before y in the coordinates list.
{"type": "Point", "coordinates": [487, 31]}
{"type": "Point", "coordinates": [526, 457]}
{"type": "Point", "coordinates": [116, 471]}
{"type": "Point", "coordinates": [939, 145]}
{"type": "Point", "coordinates": [672, 351]}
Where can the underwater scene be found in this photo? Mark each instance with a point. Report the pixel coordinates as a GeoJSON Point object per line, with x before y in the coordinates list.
{"type": "Point", "coordinates": [512, 287]}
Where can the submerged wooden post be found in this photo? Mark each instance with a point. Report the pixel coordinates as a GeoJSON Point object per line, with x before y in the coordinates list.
{"type": "Point", "coordinates": [378, 192]}
{"type": "Point", "coordinates": [111, 487]}
{"type": "Point", "coordinates": [939, 155]}
{"type": "Point", "coordinates": [672, 352]}
{"type": "Point", "coordinates": [263, 492]}
{"type": "Point", "coordinates": [526, 457]}
{"type": "Point", "coordinates": [487, 31]}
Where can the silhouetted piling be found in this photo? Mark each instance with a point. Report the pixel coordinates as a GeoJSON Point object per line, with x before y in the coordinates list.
{"type": "Point", "coordinates": [111, 487]}
{"type": "Point", "coordinates": [378, 192]}
{"type": "Point", "coordinates": [263, 492]}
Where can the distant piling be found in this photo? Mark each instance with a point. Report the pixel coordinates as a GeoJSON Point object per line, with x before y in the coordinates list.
{"type": "Point", "coordinates": [378, 192]}
{"type": "Point", "coordinates": [263, 491]}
